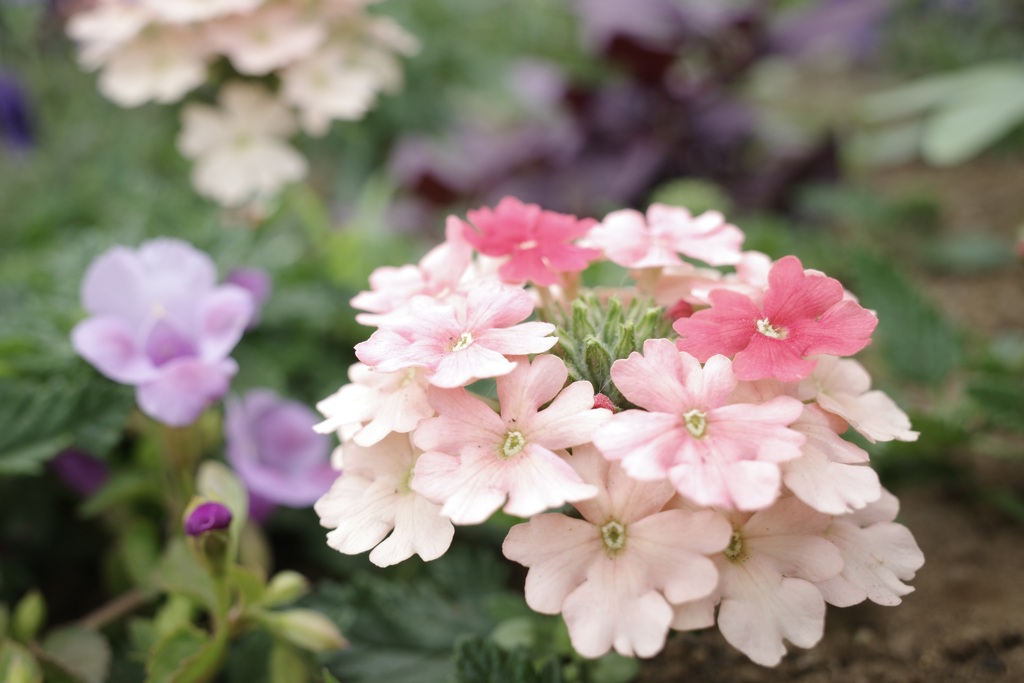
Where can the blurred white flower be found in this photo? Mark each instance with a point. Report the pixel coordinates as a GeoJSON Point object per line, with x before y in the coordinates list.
{"type": "Point", "coordinates": [239, 150]}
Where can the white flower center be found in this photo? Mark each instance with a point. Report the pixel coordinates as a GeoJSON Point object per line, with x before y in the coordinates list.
{"type": "Point", "coordinates": [462, 342]}
{"type": "Point", "coordinates": [734, 553]}
{"type": "Point", "coordinates": [696, 423]}
{"type": "Point", "coordinates": [514, 444]}
{"type": "Point", "coordinates": [613, 535]}
{"type": "Point", "coordinates": [765, 327]}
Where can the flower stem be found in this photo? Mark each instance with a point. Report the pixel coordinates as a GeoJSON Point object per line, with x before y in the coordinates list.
{"type": "Point", "coordinates": [121, 606]}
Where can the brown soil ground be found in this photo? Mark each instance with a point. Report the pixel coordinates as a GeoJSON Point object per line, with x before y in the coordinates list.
{"type": "Point", "coordinates": [965, 620]}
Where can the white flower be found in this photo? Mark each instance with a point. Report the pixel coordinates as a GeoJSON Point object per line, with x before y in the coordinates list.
{"type": "Point", "coordinates": [188, 11]}
{"type": "Point", "coordinates": [329, 85]}
{"type": "Point", "coordinates": [160, 64]}
{"type": "Point", "coordinates": [238, 149]}
{"type": "Point", "coordinates": [266, 39]}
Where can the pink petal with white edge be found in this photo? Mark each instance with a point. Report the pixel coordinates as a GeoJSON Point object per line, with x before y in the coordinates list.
{"type": "Point", "coordinates": [620, 496]}
{"type": "Point", "coordinates": [558, 550]}
{"type": "Point", "coordinates": [521, 339]}
{"type": "Point", "coordinates": [463, 419]}
{"type": "Point", "coordinates": [873, 414]}
{"type": "Point", "coordinates": [657, 379]}
{"type": "Point", "coordinates": [531, 385]}
{"type": "Point", "coordinates": [743, 485]}
{"type": "Point", "coordinates": [360, 510]}
{"type": "Point", "coordinates": [646, 443]}
{"type": "Point", "coordinates": [698, 614]}
{"type": "Point", "coordinates": [541, 480]}
{"type": "Point", "coordinates": [464, 366]}
{"type": "Point", "coordinates": [570, 420]}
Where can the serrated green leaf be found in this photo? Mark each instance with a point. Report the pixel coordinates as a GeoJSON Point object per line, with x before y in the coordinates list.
{"type": "Point", "coordinates": [83, 653]}
{"type": "Point", "coordinates": [478, 660]}
{"type": "Point", "coordinates": [187, 655]}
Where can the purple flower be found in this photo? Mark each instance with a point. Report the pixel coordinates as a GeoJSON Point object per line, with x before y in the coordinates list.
{"type": "Point", "coordinates": [208, 516]}
{"type": "Point", "coordinates": [82, 472]}
{"type": "Point", "coordinates": [257, 283]}
{"type": "Point", "coordinates": [160, 322]}
{"type": "Point", "coordinates": [15, 121]}
{"type": "Point", "coordinates": [272, 446]}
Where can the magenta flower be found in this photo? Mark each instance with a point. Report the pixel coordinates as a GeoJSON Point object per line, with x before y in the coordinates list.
{"type": "Point", "coordinates": [272, 446]}
{"type": "Point", "coordinates": [477, 458]}
{"type": "Point", "coordinates": [159, 321]}
{"type": "Point", "coordinates": [462, 340]}
{"type": "Point", "coordinates": [802, 315]}
{"type": "Point", "coordinates": [208, 516]}
{"type": "Point", "coordinates": [538, 243]}
{"type": "Point", "coordinates": [716, 451]}
{"type": "Point", "coordinates": [614, 574]}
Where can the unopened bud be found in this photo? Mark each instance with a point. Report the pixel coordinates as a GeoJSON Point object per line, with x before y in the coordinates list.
{"type": "Point", "coordinates": [304, 628]}
{"type": "Point", "coordinates": [285, 587]}
{"type": "Point", "coordinates": [602, 401]}
{"type": "Point", "coordinates": [29, 616]}
{"type": "Point", "coordinates": [208, 516]}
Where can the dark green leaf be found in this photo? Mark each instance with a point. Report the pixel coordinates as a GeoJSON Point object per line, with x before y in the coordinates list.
{"type": "Point", "coordinates": [81, 652]}
{"type": "Point", "coordinates": [478, 660]}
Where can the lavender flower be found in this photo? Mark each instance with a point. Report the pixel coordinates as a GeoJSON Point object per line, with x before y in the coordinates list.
{"type": "Point", "coordinates": [15, 121]}
{"type": "Point", "coordinates": [272, 446]}
{"type": "Point", "coordinates": [257, 283]}
{"type": "Point", "coordinates": [208, 516]}
{"type": "Point", "coordinates": [160, 322]}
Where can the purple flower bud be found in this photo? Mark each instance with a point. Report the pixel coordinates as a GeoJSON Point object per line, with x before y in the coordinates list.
{"type": "Point", "coordinates": [15, 121]}
{"type": "Point", "coordinates": [208, 516]}
{"type": "Point", "coordinates": [82, 472]}
{"type": "Point", "coordinates": [160, 322]}
{"type": "Point", "coordinates": [257, 283]}
{"type": "Point", "coordinates": [273, 448]}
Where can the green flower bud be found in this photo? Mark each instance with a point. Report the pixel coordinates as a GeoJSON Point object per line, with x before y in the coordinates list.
{"type": "Point", "coordinates": [285, 587]}
{"type": "Point", "coordinates": [303, 628]}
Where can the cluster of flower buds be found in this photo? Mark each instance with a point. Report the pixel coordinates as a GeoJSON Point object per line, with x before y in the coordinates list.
{"type": "Point", "coordinates": [674, 444]}
{"type": "Point", "coordinates": [330, 59]}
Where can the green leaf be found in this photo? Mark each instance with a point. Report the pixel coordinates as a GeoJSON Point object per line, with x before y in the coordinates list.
{"type": "Point", "coordinates": [29, 616]}
{"type": "Point", "coordinates": [916, 341]}
{"type": "Point", "coordinates": [83, 653]}
{"type": "Point", "coordinates": [1001, 399]}
{"type": "Point", "coordinates": [180, 572]}
{"type": "Point", "coordinates": [187, 655]}
{"type": "Point", "coordinates": [17, 664]}
{"type": "Point", "coordinates": [478, 660]}
{"type": "Point", "coordinates": [960, 132]}
{"type": "Point", "coordinates": [123, 487]}
{"type": "Point", "coordinates": [250, 584]}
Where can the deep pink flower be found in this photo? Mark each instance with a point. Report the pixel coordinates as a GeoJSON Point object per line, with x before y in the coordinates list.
{"type": "Point", "coordinates": [462, 340]}
{"type": "Point", "coordinates": [803, 314]}
{"type": "Point", "coordinates": [537, 242]}
{"type": "Point", "coordinates": [716, 452]}
{"type": "Point", "coordinates": [614, 573]}
{"type": "Point", "coordinates": [477, 458]}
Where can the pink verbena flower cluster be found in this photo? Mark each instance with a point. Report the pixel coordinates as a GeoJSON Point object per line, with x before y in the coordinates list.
{"type": "Point", "coordinates": [330, 58]}
{"type": "Point", "coordinates": [708, 482]}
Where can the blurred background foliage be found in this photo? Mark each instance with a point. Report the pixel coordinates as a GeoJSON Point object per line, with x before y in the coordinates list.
{"type": "Point", "coordinates": [814, 124]}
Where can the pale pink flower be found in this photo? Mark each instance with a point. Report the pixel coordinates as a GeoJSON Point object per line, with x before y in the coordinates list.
{"type": "Point", "coordinates": [160, 64]}
{"type": "Point", "coordinates": [878, 555]}
{"type": "Point", "coordinates": [538, 244]}
{"type": "Point", "coordinates": [189, 11]}
{"type": "Point", "coordinates": [373, 404]}
{"type": "Point", "coordinates": [614, 573]}
{"type": "Point", "coordinates": [373, 499]}
{"type": "Point", "coordinates": [694, 285]}
{"type": "Point", "coordinates": [269, 38]}
{"type": "Point", "coordinates": [461, 340]}
{"type": "Point", "coordinates": [630, 240]}
{"type": "Point", "coordinates": [477, 458]}
{"type": "Point", "coordinates": [803, 314]}
{"type": "Point", "coordinates": [238, 148]}
{"type": "Point", "coordinates": [439, 274]}
{"type": "Point", "coordinates": [841, 386]}
{"type": "Point", "coordinates": [715, 451]}
{"type": "Point", "coordinates": [832, 475]}
{"type": "Point", "coordinates": [766, 590]}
